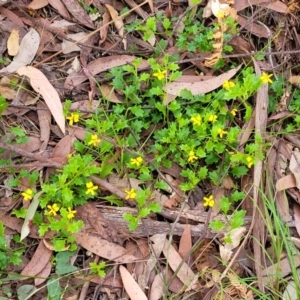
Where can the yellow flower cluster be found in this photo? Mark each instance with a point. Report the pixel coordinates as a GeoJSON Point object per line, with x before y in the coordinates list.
{"type": "Point", "coordinates": [265, 78]}
{"type": "Point", "coordinates": [73, 118]}
{"type": "Point", "coordinates": [91, 188]}
{"type": "Point", "coordinates": [94, 141]}
{"type": "Point", "coordinates": [160, 74]}
{"type": "Point", "coordinates": [136, 161]}
{"type": "Point", "coordinates": [209, 201]}
{"type": "Point", "coordinates": [28, 194]}
{"type": "Point", "coordinates": [212, 118]}
{"type": "Point", "coordinates": [221, 132]}
{"type": "Point", "coordinates": [192, 157]}
{"type": "Point", "coordinates": [53, 209]}
{"type": "Point", "coordinates": [227, 85]}
{"type": "Point", "coordinates": [249, 161]}
{"type": "Point", "coordinates": [131, 194]}
{"type": "Point", "coordinates": [196, 120]}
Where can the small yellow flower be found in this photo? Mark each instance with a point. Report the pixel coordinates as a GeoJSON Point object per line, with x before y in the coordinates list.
{"type": "Point", "coordinates": [212, 118]}
{"type": "Point", "coordinates": [160, 74]}
{"type": "Point", "coordinates": [233, 111]}
{"type": "Point", "coordinates": [250, 161]}
{"type": "Point", "coordinates": [73, 118]}
{"type": "Point", "coordinates": [220, 14]}
{"type": "Point", "coordinates": [209, 201]}
{"type": "Point", "coordinates": [265, 78]}
{"type": "Point", "coordinates": [53, 209]}
{"type": "Point", "coordinates": [192, 157]}
{"type": "Point", "coordinates": [131, 194]}
{"type": "Point", "coordinates": [91, 188]}
{"type": "Point", "coordinates": [27, 194]}
{"type": "Point", "coordinates": [227, 85]}
{"type": "Point", "coordinates": [196, 120]}
{"type": "Point", "coordinates": [94, 141]}
{"type": "Point", "coordinates": [71, 213]}
{"type": "Point", "coordinates": [221, 132]}
{"type": "Point", "coordinates": [136, 161]}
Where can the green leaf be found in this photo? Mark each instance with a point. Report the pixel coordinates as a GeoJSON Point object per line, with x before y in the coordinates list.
{"type": "Point", "coordinates": [133, 221]}
{"type": "Point", "coordinates": [239, 171]}
{"type": "Point", "coordinates": [20, 213]}
{"type": "Point", "coordinates": [162, 185]}
{"type": "Point", "coordinates": [154, 207]}
{"type": "Point", "coordinates": [202, 173]}
{"type": "Point", "coordinates": [248, 114]}
{"type": "Point", "coordinates": [225, 204]}
{"type": "Point", "coordinates": [144, 212]}
{"type": "Point", "coordinates": [62, 263]}
{"type": "Point", "coordinates": [216, 225]}
{"type": "Point", "coordinates": [237, 196]}
{"type": "Point", "coordinates": [25, 291]}
{"type": "Point", "coordinates": [237, 219]}
{"type": "Point", "coordinates": [3, 104]}
{"type": "Point", "coordinates": [166, 23]}
{"type": "Point", "coordinates": [54, 289]}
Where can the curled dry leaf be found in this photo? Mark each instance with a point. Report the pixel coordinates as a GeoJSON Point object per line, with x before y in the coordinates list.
{"type": "Point", "coordinates": [200, 87]}
{"type": "Point", "coordinates": [28, 48]}
{"type": "Point", "coordinates": [118, 23]}
{"type": "Point", "coordinates": [41, 84]}
{"type": "Point", "coordinates": [286, 182]}
{"type": "Point", "coordinates": [43, 275]}
{"type": "Point", "coordinates": [273, 5]}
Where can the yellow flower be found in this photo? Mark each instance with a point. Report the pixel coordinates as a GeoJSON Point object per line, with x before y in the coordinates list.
{"type": "Point", "coordinates": [73, 118]}
{"type": "Point", "coordinates": [196, 120]}
{"type": "Point", "coordinates": [192, 157]}
{"type": "Point", "coordinates": [160, 74]}
{"type": "Point", "coordinates": [227, 85]}
{"type": "Point", "coordinates": [53, 209]}
{"type": "Point", "coordinates": [91, 188]}
{"type": "Point", "coordinates": [209, 201]}
{"type": "Point", "coordinates": [265, 78]}
{"type": "Point", "coordinates": [221, 132]}
{"type": "Point", "coordinates": [94, 141]}
{"type": "Point", "coordinates": [131, 194]}
{"type": "Point", "coordinates": [250, 161]}
{"type": "Point", "coordinates": [212, 118]}
{"type": "Point", "coordinates": [233, 111]}
{"type": "Point", "coordinates": [71, 213]}
{"type": "Point", "coordinates": [136, 161]}
{"type": "Point", "coordinates": [27, 194]}
{"type": "Point", "coordinates": [220, 14]}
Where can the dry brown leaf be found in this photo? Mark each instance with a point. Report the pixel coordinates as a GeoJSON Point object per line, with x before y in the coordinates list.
{"type": "Point", "coordinates": [85, 105]}
{"type": "Point", "coordinates": [44, 117]}
{"type": "Point", "coordinates": [200, 87]}
{"type": "Point", "coordinates": [104, 27]}
{"type": "Point", "coordinates": [185, 274]}
{"type": "Point", "coordinates": [109, 94]}
{"type": "Point", "coordinates": [15, 19]}
{"type": "Point", "coordinates": [79, 13]}
{"type": "Point", "coordinates": [295, 166]}
{"type": "Point", "coordinates": [185, 244]}
{"type": "Point", "coordinates": [68, 46]}
{"type": "Point", "coordinates": [63, 147]}
{"type": "Point", "coordinates": [273, 5]}
{"type": "Point", "coordinates": [37, 4]}
{"type": "Point", "coordinates": [7, 92]}
{"type": "Point", "coordinates": [13, 42]}
{"type": "Point", "coordinates": [295, 80]}
{"type": "Point", "coordinates": [60, 7]}
{"type": "Point", "coordinates": [38, 261]}
{"type": "Point", "coordinates": [41, 84]}
{"type": "Point", "coordinates": [228, 183]}
{"type": "Point", "coordinates": [97, 66]}
{"type": "Point", "coordinates": [118, 23]}
{"type": "Point", "coordinates": [296, 208]}
{"type": "Point", "coordinates": [132, 288]}
{"type": "Point", "coordinates": [254, 28]}
{"type": "Point", "coordinates": [43, 275]}
{"type": "Point", "coordinates": [103, 248]}
{"type": "Point", "coordinates": [157, 287]}
{"type": "Point", "coordinates": [28, 48]}
{"type": "Point", "coordinates": [286, 182]}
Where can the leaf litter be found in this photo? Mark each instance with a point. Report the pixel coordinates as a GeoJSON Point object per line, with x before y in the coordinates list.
{"type": "Point", "coordinates": [151, 267]}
